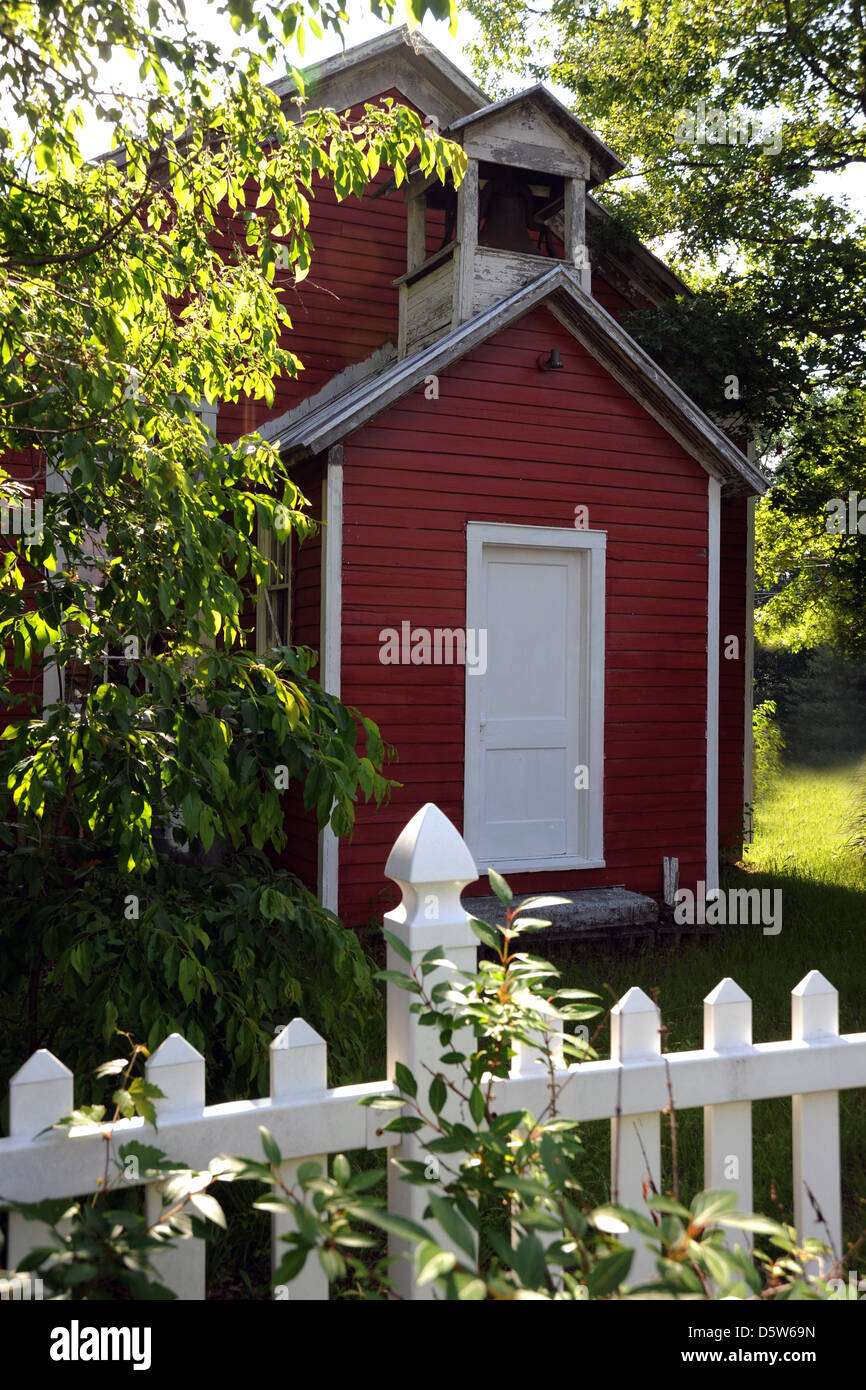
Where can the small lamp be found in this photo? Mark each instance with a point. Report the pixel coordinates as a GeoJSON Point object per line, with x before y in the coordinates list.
{"type": "Point", "coordinates": [553, 363]}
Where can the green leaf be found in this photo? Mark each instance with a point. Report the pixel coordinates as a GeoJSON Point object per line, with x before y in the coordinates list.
{"type": "Point", "coordinates": [609, 1273]}
{"type": "Point", "coordinates": [291, 1265]}
{"type": "Point", "coordinates": [752, 1221]}
{"type": "Point", "coordinates": [393, 977]}
{"type": "Point", "coordinates": [405, 1080]}
{"type": "Point", "coordinates": [529, 1262]}
{"type": "Point", "coordinates": [113, 1068]}
{"type": "Point", "coordinates": [332, 1263]}
{"type": "Point", "coordinates": [709, 1206]}
{"type": "Point", "coordinates": [453, 1224]}
{"type": "Point", "coordinates": [401, 949]}
{"type": "Point", "coordinates": [500, 887]}
{"type": "Point", "coordinates": [270, 1146]}
{"type": "Point", "coordinates": [491, 936]}
{"type": "Point", "coordinates": [476, 1104]}
{"type": "Point", "coordinates": [186, 979]}
{"type": "Point", "coordinates": [437, 1095]}
{"type": "Point", "coordinates": [125, 1104]}
{"type": "Point", "coordinates": [395, 1225]}
{"type": "Point", "coordinates": [670, 1207]}
{"type": "Point", "coordinates": [431, 1261]}
{"type": "Point", "coordinates": [546, 900]}
{"type": "Point", "coordinates": [208, 1207]}
{"type": "Point", "coordinates": [470, 1290]}
{"type": "Point", "coordinates": [404, 1124]}
{"type": "Point", "coordinates": [522, 924]}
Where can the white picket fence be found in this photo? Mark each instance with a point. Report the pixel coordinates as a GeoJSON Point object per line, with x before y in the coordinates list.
{"type": "Point", "coordinates": [432, 865]}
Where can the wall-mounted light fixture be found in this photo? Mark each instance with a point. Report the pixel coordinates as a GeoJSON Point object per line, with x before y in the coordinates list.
{"type": "Point", "coordinates": [552, 363]}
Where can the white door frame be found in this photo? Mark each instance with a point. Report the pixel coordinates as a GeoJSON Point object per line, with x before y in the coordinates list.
{"type": "Point", "coordinates": [331, 645]}
{"type": "Point", "coordinates": [590, 853]}
{"type": "Point", "coordinates": [714, 572]}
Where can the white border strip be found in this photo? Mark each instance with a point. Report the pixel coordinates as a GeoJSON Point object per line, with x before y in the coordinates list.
{"type": "Point", "coordinates": [330, 644]}
{"type": "Point", "coordinates": [713, 637]}
{"type": "Point", "coordinates": [749, 675]}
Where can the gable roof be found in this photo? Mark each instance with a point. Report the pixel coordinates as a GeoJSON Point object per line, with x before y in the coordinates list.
{"type": "Point", "coordinates": [401, 58]}
{"type": "Point", "coordinates": [603, 161]}
{"type": "Point", "coordinates": [300, 432]}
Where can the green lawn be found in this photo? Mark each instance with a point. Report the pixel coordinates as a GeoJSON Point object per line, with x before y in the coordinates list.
{"type": "Point", "coordinates": [801, 826]}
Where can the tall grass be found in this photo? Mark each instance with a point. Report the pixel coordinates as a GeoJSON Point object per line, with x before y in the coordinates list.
{"type": "Point", "coordinates": [803, 845]}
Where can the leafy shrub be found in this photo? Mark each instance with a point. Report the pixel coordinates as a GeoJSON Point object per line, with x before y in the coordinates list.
{"type": "Point", "coordinates": [505, 1215]}
{"type": "Point", "coordinates": [857, 839]}
{"type": "Point", "coordinates": [769, 747]}
{"type": "Point", "coordinates": [224, 954]}
{"type": "Point", "coordinates": [99, 1252]}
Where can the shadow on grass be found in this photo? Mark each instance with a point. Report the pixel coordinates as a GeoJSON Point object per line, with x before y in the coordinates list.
{"type": "Point", "coordinates": [823, 928]}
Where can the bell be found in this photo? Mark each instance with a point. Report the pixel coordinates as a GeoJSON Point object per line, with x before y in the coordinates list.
{"type": "Point", "coordinates": [506, 208]}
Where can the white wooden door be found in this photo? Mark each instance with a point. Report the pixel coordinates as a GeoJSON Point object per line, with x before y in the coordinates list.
{"type": "Point", "coordinates": [528, 704]}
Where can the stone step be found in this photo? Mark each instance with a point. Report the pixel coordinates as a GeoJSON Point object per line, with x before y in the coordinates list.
{"type": "Point", "coordinates": [588, 914]}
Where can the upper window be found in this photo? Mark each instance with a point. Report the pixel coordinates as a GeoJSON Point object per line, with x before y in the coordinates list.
{"type": "Point", "coordinates": [274, 616]}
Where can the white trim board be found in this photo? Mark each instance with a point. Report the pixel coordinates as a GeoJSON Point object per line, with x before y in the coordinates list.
{"type": "Point", "coordinates": [589, 851]}
{"type": "Point", "coordinates": [749, 674]}
{"type": "Point", "coordinates": [330, 645]}
{"type": "Point", "coordinates": [713, 638]}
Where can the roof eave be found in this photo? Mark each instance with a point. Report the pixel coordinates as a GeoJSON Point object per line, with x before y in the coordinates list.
{"type": "Point", "coordinates": [380, 47]}
{"type": "Point", "coordinates": [609, 162]}
{"type": "Point", "coordinates": [592, 326]}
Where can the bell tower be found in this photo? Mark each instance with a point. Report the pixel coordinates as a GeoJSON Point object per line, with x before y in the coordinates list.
{"type": "Point", "coordinates": [529, 161]}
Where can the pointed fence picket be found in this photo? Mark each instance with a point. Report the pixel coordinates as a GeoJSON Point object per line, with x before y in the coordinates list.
{"type": "Point", "coordinates": [728, 1128]}
{"type": "Point", "coordinates": [310, 1120]}
{"type": "Point", "coordinates": [179, 1072]}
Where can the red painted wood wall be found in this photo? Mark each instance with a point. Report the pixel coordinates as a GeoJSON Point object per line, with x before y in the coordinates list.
{"type": "Point", "coordinates": [504, 443]}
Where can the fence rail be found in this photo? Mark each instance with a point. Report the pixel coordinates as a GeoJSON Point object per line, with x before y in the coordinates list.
{"type": "Point", "coordinates": [432, 865]}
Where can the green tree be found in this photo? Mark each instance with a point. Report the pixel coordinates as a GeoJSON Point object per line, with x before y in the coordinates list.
{"type": "Point", "coordinates": [810, 529]}
{"type": "Point", "coordinates": [119, 314]}
{"type": "Point", "coordinates": [780, 265]}
{"type": "Point", "coordinates": [730, 117]}
{"type": "Point", "coordinates": [132, 289]}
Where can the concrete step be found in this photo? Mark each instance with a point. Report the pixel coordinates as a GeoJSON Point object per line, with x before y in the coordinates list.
{"type": "Point", "coordinates": [588, 914]}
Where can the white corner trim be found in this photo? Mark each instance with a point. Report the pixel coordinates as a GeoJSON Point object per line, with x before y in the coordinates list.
{"type": "Point", "coordinates": [589, 855]}
{"type": "Point", "coordinates": [208, 416]}
{"type": "Point", "coordinates": [330, 644]}
{"type": "Point", "coordinates": [749, 672]}
{"type": "Point", "coordinates": [53, 682]}
{"type": "Point", "coordinates": [713, 638]}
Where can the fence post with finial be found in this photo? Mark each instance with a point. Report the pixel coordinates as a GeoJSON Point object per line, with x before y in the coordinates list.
{"type": "Point", "coordinates": [431, 864]}
{"type": "Point", "coordinates": [815, 1123]}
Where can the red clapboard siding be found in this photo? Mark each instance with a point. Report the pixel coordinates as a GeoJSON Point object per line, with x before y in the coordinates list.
{"type": "Point", "coordinates": [502, 443]}
{"type": "Point", "coordinates": [347, 306]}
{"type": "Point", "coordinates": [610, 298]}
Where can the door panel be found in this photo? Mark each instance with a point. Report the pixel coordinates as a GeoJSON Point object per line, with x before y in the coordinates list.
{"type": "Point", "coordinates": [529, 715]}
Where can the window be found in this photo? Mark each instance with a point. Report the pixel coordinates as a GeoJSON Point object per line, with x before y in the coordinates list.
{"type": "Point", "coordinates": [274, 614]}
